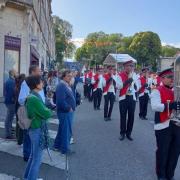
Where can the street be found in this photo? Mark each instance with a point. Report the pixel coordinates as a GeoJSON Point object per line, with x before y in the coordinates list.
{"type": "Point", "coordinates": [99, 153]}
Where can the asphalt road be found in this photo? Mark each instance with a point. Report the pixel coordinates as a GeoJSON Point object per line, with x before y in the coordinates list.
{"type": "Point", "coordinates": [101, 156]}
{"type": "Point", "coordinates": [99, 153]}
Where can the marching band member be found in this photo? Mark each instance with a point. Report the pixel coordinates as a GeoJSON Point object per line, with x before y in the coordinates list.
{"type": "Point", "coordinates": [109, 94]}
{"type": "Point", "coordinates": [90, 86]}
{"type": "Point", "coordinates": [143, 93]}
{"type": "Point", "coordinates": [127, 99]}
{"type": "Point", "coordinates": [98, 84]}
{"type": "Point", "coordinates": [85, 84]}
{"type": "Point", "coordinates": [167, 131]}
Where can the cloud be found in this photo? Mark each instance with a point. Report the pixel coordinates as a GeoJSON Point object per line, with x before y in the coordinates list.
{"type": "Point", "coordinates": [177, 45]}
{"type": "Point", "coordinates": [78, 42]}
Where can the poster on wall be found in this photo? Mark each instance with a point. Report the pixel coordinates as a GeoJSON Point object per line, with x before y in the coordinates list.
{"type": "Point", "coordinates": [11, 55]}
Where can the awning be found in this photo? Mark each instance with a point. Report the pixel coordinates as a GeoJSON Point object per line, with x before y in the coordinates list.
{"type": "Point", "coordinates": [112, 59]}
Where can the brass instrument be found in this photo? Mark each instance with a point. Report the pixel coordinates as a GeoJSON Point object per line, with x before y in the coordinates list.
{"type": "Point", "coordinates": [176, 114]}
{"type": "Point", "coordinates": [132, 84]}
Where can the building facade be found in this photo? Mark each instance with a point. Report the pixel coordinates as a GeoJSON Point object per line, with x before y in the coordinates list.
{"type": "Point", "coordinates": [26, 36]}
{"type": "Point", "coordinates": [165, 62]}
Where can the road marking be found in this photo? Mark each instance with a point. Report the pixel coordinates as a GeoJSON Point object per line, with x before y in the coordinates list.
{"type": "Point", "coordinates": [8, 177]}
{"type": "Point", "coordinates": [58, 160]}
{"type": "Point", "coordinates": [52, 133]}
{"type": "Point", "coordinates": [51, 121]}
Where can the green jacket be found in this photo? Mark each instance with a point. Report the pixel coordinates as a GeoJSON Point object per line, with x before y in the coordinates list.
{"type": "Point", "coordinates": [37, 111]}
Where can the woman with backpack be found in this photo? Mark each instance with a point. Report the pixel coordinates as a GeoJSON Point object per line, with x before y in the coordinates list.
{"type": "Point", "coordinates": [19, 131]}
{"type": "Point", "coordinates": [38, 114]}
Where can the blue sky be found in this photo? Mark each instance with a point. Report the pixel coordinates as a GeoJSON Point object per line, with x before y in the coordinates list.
{"type": "Point", "coordinates": [122, 16]}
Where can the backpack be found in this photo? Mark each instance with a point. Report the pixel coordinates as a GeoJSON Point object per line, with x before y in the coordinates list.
{"type": "Point", "coordinates": [23, 120]}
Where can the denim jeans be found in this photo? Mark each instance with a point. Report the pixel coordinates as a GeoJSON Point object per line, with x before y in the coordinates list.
{"type": "Point", "coordinates": [64, 134]}
{"type": "Point", "coordinates": [34, 162]}
{"type": "Point", "coordinates": [9, 119]}
{"type": "Point", "coordinates": [26, 144]}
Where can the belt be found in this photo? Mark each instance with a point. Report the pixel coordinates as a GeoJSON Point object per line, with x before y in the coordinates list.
{"type": "Point", "coordinates": [129, 94]}
{"type": "Point", "coordinates": [176, 123]}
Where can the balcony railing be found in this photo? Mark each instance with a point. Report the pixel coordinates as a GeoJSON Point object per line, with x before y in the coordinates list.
{"type": "Point", "coordinates": [24, 2]}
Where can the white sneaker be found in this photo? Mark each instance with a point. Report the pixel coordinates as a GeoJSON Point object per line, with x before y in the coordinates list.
{"type": "Point", "coordinates": [72, 140]}
{"type": "Point", "coordinates": [39, 178]}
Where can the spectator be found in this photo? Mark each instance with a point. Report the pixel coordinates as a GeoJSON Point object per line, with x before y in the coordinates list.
{"type": "Point", "coordinates": [38, 113]}
{"type": "Point", "coordinates": [52, 83]}
{"type": "Point", "coordinates": [10, 103]}
{"type": "Point", "coordinates": [24, 92]}
{"type": "Point", "coordinates": [19, 131]}
{"type": "Point", "coordinates": [45, 78]}
{"type": "Point", "coordinates": [66, 105]}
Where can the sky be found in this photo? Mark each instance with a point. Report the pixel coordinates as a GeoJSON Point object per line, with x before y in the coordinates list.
{"type": "Point", "coordinates": [122, 16]}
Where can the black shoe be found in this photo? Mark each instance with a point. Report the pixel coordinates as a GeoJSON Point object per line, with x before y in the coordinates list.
{"type": "Point", "coordinates": [98, 108]}
{"type": "Point", "coordinates": [171, 178]}
{"type": "Point", "coordinates": [109, 119]}
{"type": "Point", "coordinates": [10, 138]}
{"type": "Point", "coordinates": [25, 159]}
{"type": "Point", "coordinates": [122, 137]}
{"type": "Point", "coordinates": [145, 118]}
{"type": "Point", "coordinates": [129, 137]}
{"type": "Point", "coordinates": [95, 108]}
{"type": "Point", "coordinates": [105, 119]}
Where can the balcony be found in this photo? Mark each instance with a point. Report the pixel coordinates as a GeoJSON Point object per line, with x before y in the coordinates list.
{"type": "Point", "coordinates": [20, 4]}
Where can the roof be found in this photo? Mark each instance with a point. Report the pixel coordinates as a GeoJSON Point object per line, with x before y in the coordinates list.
{"type": "Point", "coordinates": [118, 58]}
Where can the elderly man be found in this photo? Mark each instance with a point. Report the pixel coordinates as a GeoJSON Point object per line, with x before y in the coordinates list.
{"type": "Point", "coordinates": [10, 103]}
{"type": "Point", "coordinates": [66, 105]}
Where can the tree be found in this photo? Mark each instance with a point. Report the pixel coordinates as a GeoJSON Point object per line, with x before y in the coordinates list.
{"type": "Point", "coordinates": [63, 33]}
{"type": "Point", "coordinates": [124, 48]}
{"type": "Point", "coordinates": [169, 51]}
{"type": "Point", "coordinates": [98, 45]}
{"type": "Point", "coordinates": [146, 48]}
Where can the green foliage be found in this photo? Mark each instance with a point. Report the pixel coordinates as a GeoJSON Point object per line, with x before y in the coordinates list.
{"type": "Point", "coordinates": [146, 48]}
{"type": "Point", "coordinates": [63, 33]}
{"type": "Point", "coordinates": [169, 51]}
{"type": "Point", "coordinates": [97, 46]}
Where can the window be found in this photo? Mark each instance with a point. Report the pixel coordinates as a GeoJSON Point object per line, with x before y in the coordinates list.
{"type": "Point", "coordinates": [11, 55]}
{"type": "Point", "coordinates": [11, 62]}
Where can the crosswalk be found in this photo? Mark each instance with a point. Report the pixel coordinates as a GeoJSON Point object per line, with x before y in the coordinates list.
{"type": "Point", "coordinates": [57, 159]}
{"type": "Point", "coordinates": [8, 177]}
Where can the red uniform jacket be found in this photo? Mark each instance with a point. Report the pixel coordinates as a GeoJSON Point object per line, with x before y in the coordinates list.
{"type": "Point", "coordinates": [124, 77]}
{"type": "Point", "coordinates": [166, 94]}
{"type": "Point", "coordinates": [96, 79]}
{"type": "Point", "coordinates": [143, 82]}
{"type": "Point", "coordinates": [106, 88]}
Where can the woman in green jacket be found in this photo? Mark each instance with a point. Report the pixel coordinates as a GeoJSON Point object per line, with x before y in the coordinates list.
{"type": "Point", "coordinates": [39, 114]}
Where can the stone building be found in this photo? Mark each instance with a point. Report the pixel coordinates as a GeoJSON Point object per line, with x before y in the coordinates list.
{"type": "Point", "coordinates": [26, 36]}
{"type": "Point", "coordinates": [165, 62]}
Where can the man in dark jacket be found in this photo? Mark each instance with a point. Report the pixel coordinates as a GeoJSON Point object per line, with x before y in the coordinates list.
{"type": "Point", "coordinates": [9, 93]}
{"type": "Point", "coordinates": [66, 105]}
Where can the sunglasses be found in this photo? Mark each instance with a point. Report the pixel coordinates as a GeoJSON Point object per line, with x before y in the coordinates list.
{"type": "Point", "coordinates": [170, 76]}
{"type": "Point", "coordinates": [130, 65]}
